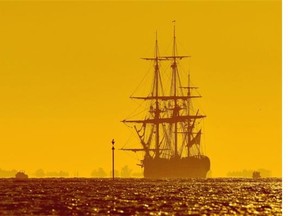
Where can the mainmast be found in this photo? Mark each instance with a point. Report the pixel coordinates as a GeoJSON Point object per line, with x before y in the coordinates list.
{"type": "Point", "coordinates": [157, 111]}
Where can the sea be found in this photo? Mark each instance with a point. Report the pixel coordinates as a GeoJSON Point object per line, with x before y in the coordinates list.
{"type": "Point", "coordinates": [87, 196]}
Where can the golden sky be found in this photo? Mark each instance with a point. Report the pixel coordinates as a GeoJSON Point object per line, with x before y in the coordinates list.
{"type": "Point", "coordinates": [67, 70]}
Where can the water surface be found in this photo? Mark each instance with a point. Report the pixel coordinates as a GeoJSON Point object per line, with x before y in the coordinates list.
{"type": "Point", "coordinates": [80, 196]}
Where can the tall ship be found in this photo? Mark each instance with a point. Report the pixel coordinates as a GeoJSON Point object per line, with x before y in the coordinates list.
{"type": "Point", "coordinates": [170, 131]}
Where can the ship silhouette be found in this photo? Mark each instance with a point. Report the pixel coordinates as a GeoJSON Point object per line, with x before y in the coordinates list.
{"type": "Point", "coordinates": [170, 133]}
{"type": "Point", "coordinates": [21, 176]}
{"type": "Point", "coordinates": [256, 175]}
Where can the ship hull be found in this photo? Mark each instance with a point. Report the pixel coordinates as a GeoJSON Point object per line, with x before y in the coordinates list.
{"type": "Point", "coordinates": [188, 167]}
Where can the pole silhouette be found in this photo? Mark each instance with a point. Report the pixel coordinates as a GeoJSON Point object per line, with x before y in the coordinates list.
{"type": "Point", "coordinates": [113, 158]}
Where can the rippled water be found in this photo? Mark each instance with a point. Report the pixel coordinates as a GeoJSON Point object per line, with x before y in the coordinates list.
{"type": "Point", "coordinates": [140, 196]}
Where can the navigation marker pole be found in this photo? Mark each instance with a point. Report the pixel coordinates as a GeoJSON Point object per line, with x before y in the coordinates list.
{"type": "Point", "coordinates": [113, 158]}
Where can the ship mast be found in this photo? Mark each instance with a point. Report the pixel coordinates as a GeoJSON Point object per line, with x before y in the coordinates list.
{"type": "Point", "coordinates": [157, 111]}
{"type": "Point", "coordinates": [188, 112]}
{"type": "Point", "coordinates": [174, 73]}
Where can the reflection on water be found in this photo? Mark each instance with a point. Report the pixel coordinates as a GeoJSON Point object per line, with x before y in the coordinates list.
{"type": "Point", "coordinates": [140, 196]}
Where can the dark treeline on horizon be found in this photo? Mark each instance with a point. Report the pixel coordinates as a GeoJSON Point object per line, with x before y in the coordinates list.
{"type": "Point", "coordinates": [40, 173]}
{"type": "Point", "coordinates": [248, 173]}
{"type": "Point", "coordinates": [7, 173]}
{"type": "Point", "coordinates": [125, 172]}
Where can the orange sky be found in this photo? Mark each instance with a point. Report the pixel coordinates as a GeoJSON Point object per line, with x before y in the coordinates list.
{"type": "Point", "coordinates": [67, 70]}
